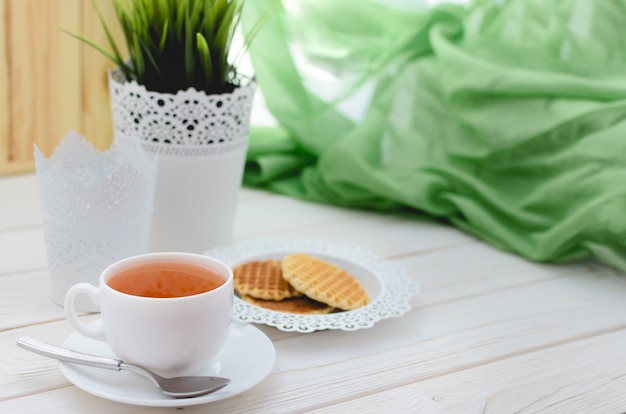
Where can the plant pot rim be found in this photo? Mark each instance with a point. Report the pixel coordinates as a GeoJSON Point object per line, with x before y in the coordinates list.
{"type": "Point", "coordinates": [240, 82]}
{"type": "Point", "coordinates": [186, 124]}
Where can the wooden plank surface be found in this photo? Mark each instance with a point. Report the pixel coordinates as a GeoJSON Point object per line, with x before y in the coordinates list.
{"type": "Point", "coordinates": [489, 332]}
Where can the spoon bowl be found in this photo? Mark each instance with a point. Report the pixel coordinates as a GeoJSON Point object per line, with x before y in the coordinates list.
{"type": "Point", "coordinates": [178, 387]}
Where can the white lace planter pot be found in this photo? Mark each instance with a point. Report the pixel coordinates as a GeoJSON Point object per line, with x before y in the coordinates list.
{"type": "Point", "coordinates": [201, 142]}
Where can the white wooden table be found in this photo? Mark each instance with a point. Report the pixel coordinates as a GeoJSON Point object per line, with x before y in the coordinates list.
{"type": "Point", "coordinates": [489, 332]}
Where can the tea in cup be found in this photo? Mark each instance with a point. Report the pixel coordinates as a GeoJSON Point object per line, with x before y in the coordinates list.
{"type": "Point", "coordinates": [169, 312]}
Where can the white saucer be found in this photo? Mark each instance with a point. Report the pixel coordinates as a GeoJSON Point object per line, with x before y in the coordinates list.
{"type": "Point", "coordinates": [247, 358]}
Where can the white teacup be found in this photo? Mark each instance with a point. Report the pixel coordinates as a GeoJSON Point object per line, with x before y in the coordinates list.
{"type": "Point", "coordinates": [172, 336]}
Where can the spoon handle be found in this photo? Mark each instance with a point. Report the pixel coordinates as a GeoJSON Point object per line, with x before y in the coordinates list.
{"type": "Point", "coordinates": [67, 355]}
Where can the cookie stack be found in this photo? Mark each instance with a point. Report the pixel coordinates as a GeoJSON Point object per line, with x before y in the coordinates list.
{"type": "Point", "coordinates": [299, 283]}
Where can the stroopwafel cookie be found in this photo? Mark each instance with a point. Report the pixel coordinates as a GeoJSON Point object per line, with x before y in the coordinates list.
{"type": "Point", "coordinates": [301, 305]}
{"type": "Point", "coordinates": [323, 281]}
{"type": "Point", "coordinates": [262, 279]}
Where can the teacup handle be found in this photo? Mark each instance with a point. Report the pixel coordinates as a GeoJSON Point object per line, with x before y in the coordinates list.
{"type": "Point", "coordinates": [90, 331]}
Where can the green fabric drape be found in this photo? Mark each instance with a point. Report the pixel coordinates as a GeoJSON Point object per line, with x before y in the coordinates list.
{"type": "Point", "coordinates": [507, 117]}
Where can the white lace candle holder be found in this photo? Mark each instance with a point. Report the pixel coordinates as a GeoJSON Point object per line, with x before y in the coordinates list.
{"type": "Point", "coordinates": [97, 209]}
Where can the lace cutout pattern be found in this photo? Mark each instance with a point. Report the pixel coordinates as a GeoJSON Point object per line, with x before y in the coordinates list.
{"type": "Point", "coordinates": [97, 208]}
{"type": "Point", "coordinates": [186, 124]}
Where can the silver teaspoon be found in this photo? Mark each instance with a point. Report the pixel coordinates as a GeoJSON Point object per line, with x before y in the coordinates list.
{"type": "Point", "coordinates": [179, 387]}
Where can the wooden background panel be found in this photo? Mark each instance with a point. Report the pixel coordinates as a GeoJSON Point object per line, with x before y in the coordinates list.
{"type": "Point", "coordinates": [96, 118]}
{"type": "Point", "coordinates": [4, 89]}
{"type": "Point", "coordinates": [50, 82]}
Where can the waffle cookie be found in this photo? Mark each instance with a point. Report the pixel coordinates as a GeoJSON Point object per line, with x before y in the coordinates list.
{"type": "Point", "coordinates": [323, 281]}
{"type": "Point", "coordinates": [301, 305]}
{"type": "Point", "coordinates": [262, 279]}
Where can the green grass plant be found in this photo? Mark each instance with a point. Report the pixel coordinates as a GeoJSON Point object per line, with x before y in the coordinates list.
{"type": "Point", "coordinates": [176, 44]}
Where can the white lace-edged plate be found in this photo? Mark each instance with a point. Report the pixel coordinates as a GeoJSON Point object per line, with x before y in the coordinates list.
{"type": "Point", "coordinates": [386, 283]}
